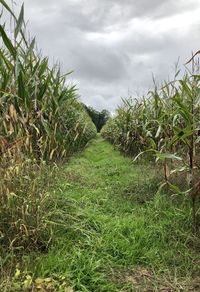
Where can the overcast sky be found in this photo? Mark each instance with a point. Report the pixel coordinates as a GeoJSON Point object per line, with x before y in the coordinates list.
{"type": "Point", "coordinates": [114, 46]}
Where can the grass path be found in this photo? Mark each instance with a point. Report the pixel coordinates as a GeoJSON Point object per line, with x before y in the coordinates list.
{"type": "Point", "coordinates": [120, 236]}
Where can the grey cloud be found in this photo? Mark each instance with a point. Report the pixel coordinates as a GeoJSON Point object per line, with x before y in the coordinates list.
{"type": "Point", "coordinates": [79, 33]}
{"type": "Point", "coordinates": [91, 15]}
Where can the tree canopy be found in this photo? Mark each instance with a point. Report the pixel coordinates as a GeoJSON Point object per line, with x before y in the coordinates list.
{"type": "Point", "coordinates": [98, 118]}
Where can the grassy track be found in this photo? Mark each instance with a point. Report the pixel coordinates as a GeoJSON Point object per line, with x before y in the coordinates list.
{"type": "Point", "coordinates": [123, 237]}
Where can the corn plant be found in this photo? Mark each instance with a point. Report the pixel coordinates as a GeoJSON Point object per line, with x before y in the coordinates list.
{"type": "Point", "coordinates": [41, 119]}
{"type": "Point", "coordinates": [33, 97]}
{"type": "Point", "coordinates": [165, 124]}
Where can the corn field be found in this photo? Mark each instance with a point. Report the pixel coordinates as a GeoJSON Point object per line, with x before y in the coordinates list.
{"type": "Point", "coordinates": [41, 120]}
{"type": "Point", "coordinates": [39, 113]}
{"type": "Point", "coordinates": [96, 221]}
{"type": "Point", "coordinates": [164, 126]}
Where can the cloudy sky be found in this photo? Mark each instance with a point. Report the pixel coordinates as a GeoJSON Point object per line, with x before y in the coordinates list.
{"type": "Point", "coordinates": [114, 46]}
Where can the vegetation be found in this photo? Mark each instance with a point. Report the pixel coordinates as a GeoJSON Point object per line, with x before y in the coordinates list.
{"type": "Point", "coordinates": [118, 233]}
{"type": "Point", "coordinates": [166, 126]}
{"type": "Point", "coordinates": [41, 121]}
{"type": "Point", "coordinates": [98, 222]}
{"type": "Point", "coordinates": [40, 115]}
{"type": "Point", "coordinates": [98, 118]}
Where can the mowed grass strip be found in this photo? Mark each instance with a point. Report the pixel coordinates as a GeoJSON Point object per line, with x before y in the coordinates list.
{"type": "Point", "coordinates": [123, 235]}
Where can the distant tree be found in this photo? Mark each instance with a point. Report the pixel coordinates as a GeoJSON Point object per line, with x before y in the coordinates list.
{"type": "Point", "coordinates": [98, 118]}
{"type": "Point", "coordinates": [104, 115]}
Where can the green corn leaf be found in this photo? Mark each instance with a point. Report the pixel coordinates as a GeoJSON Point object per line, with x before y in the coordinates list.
{"type": "Point", "coordinates": [7, 42]}
{"type": "Point", "coordinates": [8, 8]}
{"type": "Point", "coordinates": [30, 49]}
{"type": "Point", "coordinates": [21, 88]}
{"type": "Point", "coordinates": [43, 89]}
{"type": "Point", "coordinates": [19, 21]}
{"type": "Point", "coordinates": [163, 156]}
{"type": "Point", "coordinates": [9, 65]}
{"type": "Point", "coordinates": [16, 102]}
{"type": "Point", "coordinates": [183, 110]}
{"type": "Point", "coordinates": [22, 92]}
{"type": "Point", "coordinates": [143, 152]}
{"type": "Point", "coordinates": [5, 82]}
{"type": "Point", "coordinates": [43, 67]}
{"type": "Point", "coordinates": [15, 18]}
{"type": "Point", "coordinates": [186, 88]}
{"type": "Point", "coordinates": [35, 68]}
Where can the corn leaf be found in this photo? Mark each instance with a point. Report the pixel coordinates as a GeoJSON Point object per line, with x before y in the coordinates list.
{"type": "Point", "coordinates": [7, 42]}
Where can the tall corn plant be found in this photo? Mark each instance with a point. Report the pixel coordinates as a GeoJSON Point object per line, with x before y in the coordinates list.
{"type": "Point", "coordinates": [182, 134]}
{"type": "Point", "coordinates": [186, 128]}
{"type": "Point", "coordinates": [40, 119]}
{"type": "Point", "coordinates": [165, 124]}
{"type": "Point", "coordinates": [32, 98]}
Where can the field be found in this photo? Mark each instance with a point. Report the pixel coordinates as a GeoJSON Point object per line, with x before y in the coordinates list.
{"type": "Point", "coordinates": [116, 210]}
{"type": "Point", "coordinates": [118, 234]}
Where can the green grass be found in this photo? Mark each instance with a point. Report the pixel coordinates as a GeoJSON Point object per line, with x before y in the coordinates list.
{"type": "Point", "coordinates": [119, 234]}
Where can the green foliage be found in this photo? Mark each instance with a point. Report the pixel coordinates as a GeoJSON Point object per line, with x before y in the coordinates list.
{"type": "Point", "coordinates": [41, 120]}
{"type": "Point", "coordinates": [165, 121]}
{"type": "Point", "coordinates": [124, 235]}
{"type": "Point", "coordinates": [25, 205]}
{"type": "Point", "coordinates": [110, 230]}
{"type": "Point", "coordinates": [165, 125]}
{"type": "Point", "coordinates": [126, 130]}
{"type": "Point", "coordinates": [38, 111]}
{"type": "Point", "coordinates": [98, 118]}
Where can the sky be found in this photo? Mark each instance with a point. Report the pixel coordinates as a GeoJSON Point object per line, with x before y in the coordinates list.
{"type": "Point", "coordinates": [114, 46]}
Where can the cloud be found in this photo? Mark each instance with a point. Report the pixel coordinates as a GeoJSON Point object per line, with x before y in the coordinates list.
{"type": "Point", "coordinates": [114, 46]}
